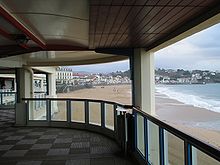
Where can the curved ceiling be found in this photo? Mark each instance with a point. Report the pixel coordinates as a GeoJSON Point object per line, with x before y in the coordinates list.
{"type": "Point", "coordinates": [59, 58]}
{"type": "Point", "coordinates": [75, 25]}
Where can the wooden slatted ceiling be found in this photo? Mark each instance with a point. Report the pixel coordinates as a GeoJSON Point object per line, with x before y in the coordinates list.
{"type": "Point", "coordinates": [139, 23]}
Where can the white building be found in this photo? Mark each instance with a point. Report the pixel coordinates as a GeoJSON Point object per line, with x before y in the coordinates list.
{"type": "Point", "coordinates": [64, 75]}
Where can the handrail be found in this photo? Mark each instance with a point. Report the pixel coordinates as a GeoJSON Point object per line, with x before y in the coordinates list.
{"type": "Point", "coordinates": [201, 145]}
{"type": "Point", "coordinates": [79, 99]}
{"type": "Point", "coordinates": [40, 92]}
{"type": "Point", "coordinates": [8, 92]}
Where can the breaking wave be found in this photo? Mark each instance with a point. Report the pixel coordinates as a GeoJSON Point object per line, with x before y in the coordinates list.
{"type": "Point", "coordinates": [190, 99]}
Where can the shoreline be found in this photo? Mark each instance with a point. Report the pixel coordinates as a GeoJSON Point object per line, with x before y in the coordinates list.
{"type": "Point", "coordinates": [167, 107]}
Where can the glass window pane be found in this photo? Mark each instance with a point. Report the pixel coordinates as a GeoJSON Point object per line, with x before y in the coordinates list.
{"type": "Point", "coordinates": [94, 113]}
{"type": "Point", "coordinates": [37, 111]}
{"type": "Point", "coordinates": [153, 143]}
{"type": "Point", "coordinates": [109, 116]}
{"type": "Point", "coordinates": [140, 134]}
{"type": "Point", "coordinates": [200, 158]}
{"type": "Point", "coordinates": [78, 111]}
{"type": "Point", "coordinates": [8, 99]}
{"type": "Point", "coordinates": [173, 149]}
{"type": "Point", "coordinates": [58, 111]}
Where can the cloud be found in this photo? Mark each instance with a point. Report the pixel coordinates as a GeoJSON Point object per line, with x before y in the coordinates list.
{"type": "Point", "coordinates": [103, 68]}
{"type": "Point", "coordinates": [199, 51]}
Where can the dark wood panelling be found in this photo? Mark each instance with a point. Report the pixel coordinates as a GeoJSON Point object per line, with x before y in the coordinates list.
{"type": "Point", "coordinates": [141, 23]}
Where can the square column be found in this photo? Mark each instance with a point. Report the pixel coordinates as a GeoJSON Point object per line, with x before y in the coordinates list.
{"type": "Point", "coordinates": [143, 80]}
{"type": "Point", "coordinates": [51, 82]}
{"type": "Point", "coordinates": [24, 82]}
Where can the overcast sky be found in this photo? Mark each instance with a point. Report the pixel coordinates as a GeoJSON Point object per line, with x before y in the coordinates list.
{"type": "Point", "coordinates": [104, 68]}
{"type": "Point", "coordinates": [199, 51]}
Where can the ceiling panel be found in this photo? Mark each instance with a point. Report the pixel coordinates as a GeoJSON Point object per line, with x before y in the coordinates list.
{"type": "Point", "coordinates": [142, 23]}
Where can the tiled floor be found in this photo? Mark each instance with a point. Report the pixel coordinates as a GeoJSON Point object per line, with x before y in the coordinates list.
{"type": "Point", "coordinates": [54, 146]}
{"type": "Point", "coordinates": [7, 117]}
{"type": "Point", "coordinates": [41, 146]}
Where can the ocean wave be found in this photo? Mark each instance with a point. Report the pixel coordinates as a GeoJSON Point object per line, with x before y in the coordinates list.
{"type": "Point", "coordinates": [190, 99]}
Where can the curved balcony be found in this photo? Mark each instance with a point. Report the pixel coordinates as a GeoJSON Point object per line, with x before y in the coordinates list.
{"type": "Point", "coordinates": [144, 137]}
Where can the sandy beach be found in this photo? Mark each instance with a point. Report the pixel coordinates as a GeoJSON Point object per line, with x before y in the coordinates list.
{"type": "Point", "coordinates": [182, 116]}
{"type": "Point", "coordinates": [116, 93]}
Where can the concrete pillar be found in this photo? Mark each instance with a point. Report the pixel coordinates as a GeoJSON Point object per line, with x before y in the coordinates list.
{"type": "Point", "coordinates": [52, 91]}
{"type": "Point", "coordinates": [143, 80]}
{"type": "Point", "coordinates": [24, 90]}
{"type": "Point", "coordinates": [52, 84]}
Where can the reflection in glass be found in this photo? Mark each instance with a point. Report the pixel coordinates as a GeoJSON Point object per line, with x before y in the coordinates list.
{"type": "Point", "coordinates": [78, 111]}
{"type": "Point", "coordinates": [95, 113]}
{"type": "Point", "coordinates": [173, 149]}
{"type": "Point", "coordinates": [37, 111]}
{"type": "Point", "coordinates": [140, 134]}
{"type": "Point", "coordinates": [153, 143]}
{"type": "Point", "coordinates": [109, 116]}
{"type": "Point", "coordinates": [200, 158]}
{"type": "Point", "coordinates": [58, 110]}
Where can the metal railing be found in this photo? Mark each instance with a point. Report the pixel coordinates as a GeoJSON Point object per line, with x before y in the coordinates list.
{"type": "Point", "coordinates": [149, 140]}
{"type": "Point", "coordinates": [168, 144]}
{"type": "Point", "coordinates": [95, 115]}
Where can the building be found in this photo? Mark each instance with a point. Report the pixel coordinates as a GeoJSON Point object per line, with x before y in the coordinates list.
{"type": "Point", "coordinates": [64, 75]}
{"type": "Point", "coordinates": [39, 34]}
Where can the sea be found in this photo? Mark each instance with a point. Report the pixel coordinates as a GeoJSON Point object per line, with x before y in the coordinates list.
{"type": "Point", "coordinates": [198, 95]}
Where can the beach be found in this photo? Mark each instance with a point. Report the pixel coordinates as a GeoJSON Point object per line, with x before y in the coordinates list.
{"type": "Point", "coordinates": [184, 117]}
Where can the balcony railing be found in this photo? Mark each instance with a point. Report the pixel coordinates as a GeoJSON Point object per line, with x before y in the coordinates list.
{"type": "Point", "coordinates": [158, 143]}
{"type": "Point", "coordinates": [149, 140]}
{"type": "Point", "coordinates": [95, 115]}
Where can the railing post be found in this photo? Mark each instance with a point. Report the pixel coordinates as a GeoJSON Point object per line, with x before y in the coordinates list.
{"type": "Point", "coordinates": [187, 153]}
{"type": "Point", "coordinates": [15, 98]}
{"type": "Point", "coordinates": [135, 130]}
{"type": "Point", "coordinates": [27, 112]}
{"type": "Point", "coordinates": [86, 112]}
{"type": "Point", "coordinates": [48, 102]}
{"type": "Point", "coordinates": [146, 138]}
{"type": "Point", "coordinates": [102, 114]}
{"type": "Point", "coordinates": [115, 119]}
{"type": "Point", "coordinates": [161, 145]}
{"type": "Point", "coordinates": [68, 111]}
{"type": "Point", "coordinates": [1, 99]}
